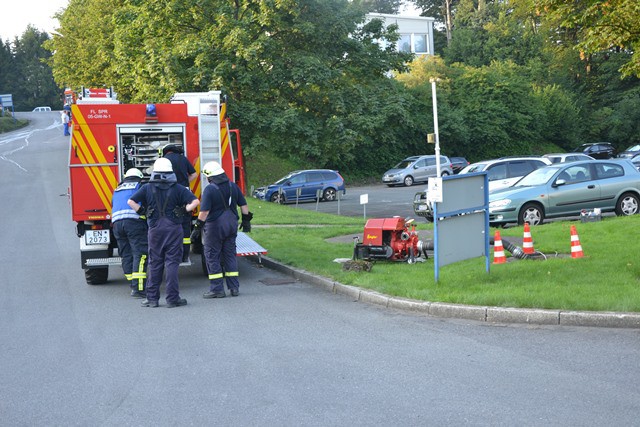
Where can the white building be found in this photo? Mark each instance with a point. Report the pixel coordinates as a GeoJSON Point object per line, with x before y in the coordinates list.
{"type": "Point", "coordinates": [416, 32]}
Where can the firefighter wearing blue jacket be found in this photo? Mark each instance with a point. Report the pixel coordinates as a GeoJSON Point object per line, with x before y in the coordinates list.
{"type": "Point", "coordinates": [165, 204]}
{"type": "Point", "coordinates": [130, 231]}
{"type": "Point", "coordinates": [218, 218]}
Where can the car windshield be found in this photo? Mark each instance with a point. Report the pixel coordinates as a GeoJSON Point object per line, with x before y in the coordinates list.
{"type": "Point", "coordinates": [404, 164]}
{"type": "Point", "coordinates": [537, 177]}
{"type": "Point", "coordinates": [284, 179]}
{"type": "Point", "coordinates": [476, 167]}
{"type": "Point", "coordinates": [634, 148]}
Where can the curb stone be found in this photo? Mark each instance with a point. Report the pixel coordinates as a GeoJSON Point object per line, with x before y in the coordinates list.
{"type": "Point", "coordinates": [460, 311]}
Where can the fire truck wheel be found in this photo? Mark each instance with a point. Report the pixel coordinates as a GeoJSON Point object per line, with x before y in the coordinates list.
{"type": "Point", "coordinates": [277, 198]}
{"type": "Point", "coordinates": [329, 195]}
{"type": "Point", "coordinates": [96, 276]}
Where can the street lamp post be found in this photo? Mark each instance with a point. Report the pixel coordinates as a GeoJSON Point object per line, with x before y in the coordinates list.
{"type": "Point", "coordinates": [433, 81]}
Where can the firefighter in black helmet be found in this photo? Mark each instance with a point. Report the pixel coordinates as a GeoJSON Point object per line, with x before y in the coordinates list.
{"type": "Point", "coordinates": [185, 173]}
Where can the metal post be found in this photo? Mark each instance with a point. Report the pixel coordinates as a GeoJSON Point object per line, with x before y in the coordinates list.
{"type": "Point", "coordinates": [435, 123]}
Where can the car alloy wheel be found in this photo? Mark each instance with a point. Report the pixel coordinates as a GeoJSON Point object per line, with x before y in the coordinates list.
{"type": "Point", "coordinates": [277, 198]}
{"type": "Point", "coordinates": [627, 204]}
{"type": "Point", "coordinates": [329, 195]}
{"type": "Point", "coordinates": [531, 213]}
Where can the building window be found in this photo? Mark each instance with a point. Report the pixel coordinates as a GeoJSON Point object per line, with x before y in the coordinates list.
{"type": "Point", "coordinates": [414, 43]}
{"type": "Point", "coordinates": [404, 44]}
{"type": "Point", "coordinates": [420, 43]}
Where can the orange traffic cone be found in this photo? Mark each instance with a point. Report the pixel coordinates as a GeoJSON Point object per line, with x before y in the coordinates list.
{"type": "Point", "coordinates": [576, 248]}
{"type": "Point", "coordinates": [498, 249]}
{"type": "Point", "coordinates": [527, 242]}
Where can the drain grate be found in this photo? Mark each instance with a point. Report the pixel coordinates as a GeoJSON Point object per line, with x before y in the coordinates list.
{"type": "Point", "coordinates": [272, 282]}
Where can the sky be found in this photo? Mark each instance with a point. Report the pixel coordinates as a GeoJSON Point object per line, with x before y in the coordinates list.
{"type": "Point", "coordinates": [39, 13]}
{"type": "Point", "coordinates": [14, 19]}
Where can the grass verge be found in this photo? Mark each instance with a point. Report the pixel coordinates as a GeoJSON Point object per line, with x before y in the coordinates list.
{"type": "Point", "coordinates": [605, 279]}
{"type": "Point", "coordinates": [8, 123]}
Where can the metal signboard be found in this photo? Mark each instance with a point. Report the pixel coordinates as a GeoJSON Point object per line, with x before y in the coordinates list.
{"type": "Point", "coordinates": [461, 220]}
{"type": "Point", "coordinates": [6, 100]}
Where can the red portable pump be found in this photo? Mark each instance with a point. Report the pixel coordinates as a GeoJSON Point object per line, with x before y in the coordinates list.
{"type": "Point", "coordinates": [390, 239]}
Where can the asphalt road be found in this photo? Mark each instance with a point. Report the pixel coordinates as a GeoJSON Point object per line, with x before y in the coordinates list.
{"type": "Point", "coordinates": [283, 353]}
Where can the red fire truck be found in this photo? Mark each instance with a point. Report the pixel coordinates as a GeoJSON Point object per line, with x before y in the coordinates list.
{"type": "Point", "coordinates": [108, 138]}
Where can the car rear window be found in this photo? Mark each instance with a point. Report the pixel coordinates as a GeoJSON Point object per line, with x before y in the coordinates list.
{"type": "Point", "coordinates": [315, 177]}
{"type": "Point", "coordinates": [329, 176]}
{"type": "Point", "coordinates": [609, 170]}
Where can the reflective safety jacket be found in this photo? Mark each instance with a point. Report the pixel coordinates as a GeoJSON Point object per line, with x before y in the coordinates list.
{"type": "Point", "coordinates": [120, 209]}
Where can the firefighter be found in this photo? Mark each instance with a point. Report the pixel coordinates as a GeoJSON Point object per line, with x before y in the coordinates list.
{"type": "Point", "coordinates": [185, 173]}
{"type": "Point", "coordinates": [218, 218]}
{"type": "Point", "coordinates": [165, 204]}
{"type": "Point", "coordinates": [130, 231]}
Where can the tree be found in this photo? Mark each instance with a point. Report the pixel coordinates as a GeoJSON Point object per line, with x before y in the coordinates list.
{"type": "Point", "coordinates": [32, 81]}
{"type": "Point", "coordinates": [84, 45]}
{"type": "Point", "coordinates": [7, 70]}
{"type": "Point", "coordinates": [305, 78]}
{"type": "Point", "coordinates": [381, 6]}
{"type": "Point", "coordinates": [601, 25]}
{"type": "Point", "coordinates": [442, 10]}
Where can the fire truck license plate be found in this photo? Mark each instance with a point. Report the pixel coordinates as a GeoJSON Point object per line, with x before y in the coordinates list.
{"type": "Point", "coordinates": [97, 237]}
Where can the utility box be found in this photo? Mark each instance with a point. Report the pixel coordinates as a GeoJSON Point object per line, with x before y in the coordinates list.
{"type": "Point", "coordinates": [594, 215]}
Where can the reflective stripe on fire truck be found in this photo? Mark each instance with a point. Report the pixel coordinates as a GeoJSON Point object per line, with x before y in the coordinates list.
{"type": "Point", "coordinates": [89, 153]}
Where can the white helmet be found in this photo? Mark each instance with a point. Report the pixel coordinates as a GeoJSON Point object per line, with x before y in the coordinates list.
{"type": "Point", "coordinates": [212, 169]}
{"type": "Point", "coordinates": [134, 172]}
{"type": "Point", "coordinates": [162, 165]}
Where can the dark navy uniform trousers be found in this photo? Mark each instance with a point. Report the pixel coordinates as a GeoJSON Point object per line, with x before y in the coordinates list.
{"type": "Point", "coordinates": [131, 235]}
{"type": "Point", "coordinates": [220, 250]}
{"type": "Point", "coordinates": [165, 255]}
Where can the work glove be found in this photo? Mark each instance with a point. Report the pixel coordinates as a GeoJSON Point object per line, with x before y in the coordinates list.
{"type": "Point", "coordinates": [197, 230]}
{"type": "Point", "coordinates": [142, 211]}
{"type": "Point", "coordinates": [180, 211]}
{"type": "Point", "coordinates": [245, 225]}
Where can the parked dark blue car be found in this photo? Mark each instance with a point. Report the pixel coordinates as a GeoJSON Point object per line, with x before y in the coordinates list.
{"type": "Point", "coordinates": [303, 185]}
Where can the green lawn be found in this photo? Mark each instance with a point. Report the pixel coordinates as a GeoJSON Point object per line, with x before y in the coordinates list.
{"type": "Point", "coordinates": [605, 279]}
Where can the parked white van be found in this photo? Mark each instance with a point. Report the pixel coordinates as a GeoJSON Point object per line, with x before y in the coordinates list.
{"type": "Point", "coordinates": [41, 109]}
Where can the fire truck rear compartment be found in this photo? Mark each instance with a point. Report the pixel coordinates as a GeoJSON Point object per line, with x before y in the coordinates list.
{"type": "Point", "coordinates": [139, 146]}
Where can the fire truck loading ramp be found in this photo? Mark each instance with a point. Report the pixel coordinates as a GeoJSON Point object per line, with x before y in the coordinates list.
{"type": "Point", "coordinates": [246, 246]}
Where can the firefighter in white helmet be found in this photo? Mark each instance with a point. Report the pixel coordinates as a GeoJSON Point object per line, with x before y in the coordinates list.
{"type": "Point", "coordinates": [130, 231]}
{"type": "Point", "coordinates": [185, 173]}
{"type": "Point", "coordinates": [219, 218]}
{"type": "Point", "coordinates": [165, 204]}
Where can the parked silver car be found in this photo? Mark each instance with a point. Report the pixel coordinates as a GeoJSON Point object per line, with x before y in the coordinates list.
{"type": "Point", "coordinates": [565, 189]}
{"type": "Point", "coordinates": [506, 171]}
{"type": "Point", "coordinates": [416, 169]}
{"type": "Point", "coordinates": [566, 157]}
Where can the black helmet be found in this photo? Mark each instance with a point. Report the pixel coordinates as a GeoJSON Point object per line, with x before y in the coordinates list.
{"type": "Point", "coordinates": [176, 148]}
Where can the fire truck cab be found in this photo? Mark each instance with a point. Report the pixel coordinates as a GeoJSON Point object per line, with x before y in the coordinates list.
{"type": "Point", "coordinates": [108, 138]}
